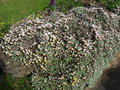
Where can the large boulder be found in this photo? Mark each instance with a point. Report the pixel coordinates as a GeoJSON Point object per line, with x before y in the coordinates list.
{"type": "Point", "coordinates": [62, 51]}
{"type": "Point", "coordinates": [110, 78]}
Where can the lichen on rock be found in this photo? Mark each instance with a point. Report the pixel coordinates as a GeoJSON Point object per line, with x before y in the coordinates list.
{"type": "Point", "coordinates": [64, 51]}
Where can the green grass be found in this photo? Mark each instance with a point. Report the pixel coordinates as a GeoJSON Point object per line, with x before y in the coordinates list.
{"type": "Point", "coordinates": [17, 9]}
{"type": "Point", "coordinates": [12, 11]}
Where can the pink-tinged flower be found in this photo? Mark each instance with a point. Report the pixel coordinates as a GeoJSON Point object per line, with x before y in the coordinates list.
{"type": "Point", "coordinates": [52, 2]}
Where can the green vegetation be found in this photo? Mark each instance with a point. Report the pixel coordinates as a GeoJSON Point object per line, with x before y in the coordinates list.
{"type": "Point", "coordinates": [12, 11]}
{"type": "Point", "coordinates": [18, 9]}
{"type": "Point", "coordinates": [7, 82]}
{"type": "Point", "coordinates": [110, 4]}
{"type": "Point", "coordinates": [15, 10]}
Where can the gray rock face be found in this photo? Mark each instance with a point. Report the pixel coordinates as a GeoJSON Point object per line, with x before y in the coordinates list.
{"type": "Point", "coordinates": [13, 67]}
{"type": "Point", "coordinates": [110, 80]}
{"type": "Point", "coordinates": [71, 50]}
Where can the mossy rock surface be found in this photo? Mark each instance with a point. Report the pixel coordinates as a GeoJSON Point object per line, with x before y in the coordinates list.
{"type": "Point", "coordinates": [63, 51]}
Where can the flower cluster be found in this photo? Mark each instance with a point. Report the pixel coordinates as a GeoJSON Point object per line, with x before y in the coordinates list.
{"type": "Point", "coordinates": [64, 50]}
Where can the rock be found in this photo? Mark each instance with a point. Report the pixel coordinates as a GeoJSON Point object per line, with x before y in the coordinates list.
{"type": "Point", "coordinates": [109, 80]}
{"type": "Point", "coordinates": [69, 51]}
{"type": "Point", "coordinates": [13, 67]}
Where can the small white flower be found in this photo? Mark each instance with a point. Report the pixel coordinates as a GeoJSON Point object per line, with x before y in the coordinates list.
{"type": "Point", "coordinates": [34, 43]}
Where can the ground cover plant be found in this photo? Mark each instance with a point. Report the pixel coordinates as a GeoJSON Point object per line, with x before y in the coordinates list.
{"type": "Point", "coordinates": [12, 11]}
{"type": "Point", "coordinates": [75, 77]}
{"type": "Point", "coordinates": [63, 51]}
